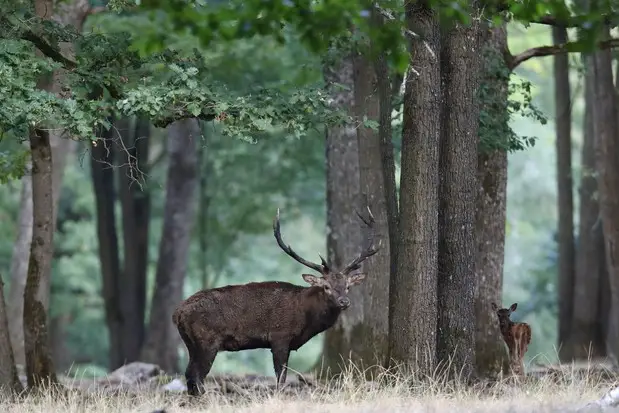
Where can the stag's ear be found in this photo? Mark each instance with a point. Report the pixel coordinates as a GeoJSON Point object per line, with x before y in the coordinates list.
{"type": "Point", "coordinates": [313, 280]}
{"type": "Point", "coordinates": [513, 307]}
{"type": "Point", "coordinates": [356, 279]}
{"type": "Point", "coordinates": [494, 307]}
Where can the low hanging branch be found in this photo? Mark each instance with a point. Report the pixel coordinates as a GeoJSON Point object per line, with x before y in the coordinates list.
{"type": "Point", "coordinates": [514, 61]}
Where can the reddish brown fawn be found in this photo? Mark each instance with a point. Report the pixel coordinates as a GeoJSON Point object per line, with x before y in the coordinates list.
{"type": "Point", "coordinates": [517, 336]}
{"type": "Point", "coordinates": [272, 314]}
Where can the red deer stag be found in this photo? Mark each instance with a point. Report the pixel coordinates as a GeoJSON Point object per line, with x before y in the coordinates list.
{"type": "Point", "coordinates": [272, 314]}
{"type": "Point", "coordinates": [517, 336]}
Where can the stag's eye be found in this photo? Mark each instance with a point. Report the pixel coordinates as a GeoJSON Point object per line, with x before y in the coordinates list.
{"type": "Point", "coordinates": [327, 288]}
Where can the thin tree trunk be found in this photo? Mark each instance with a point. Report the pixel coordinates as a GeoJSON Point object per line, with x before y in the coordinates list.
{"type": "Point", "coordinates": [102, 170]}
{"type": "Point", "coordinates": [132, 152]}
{"type": "Point", "coordinates": [460, 65]}
{"type": "Point", "coordinates": [413, 311]}
{"type": "Point", "coordinates": [606, 150]}
{"type": "Point", "coordinates": [39, 365]}
{"type": "Point", "coordinates": [9, 382]}
{"type": "Point", "coordinates": [586, 335]}
{"type": "Point", "coordinates": [19, 270]}
{"type": "Point", "coordinates": [71, 13]}
{"type": "Point", "coordinates": [565, 202]}
{"type": "Point", "coordinates": [161, 345]}
{"type": "Point", "coordinates": [386, 92]}
{"type": "Point", "coordinates": [344, 341]}
{"type": "Point", "coordinates": [490, 352]}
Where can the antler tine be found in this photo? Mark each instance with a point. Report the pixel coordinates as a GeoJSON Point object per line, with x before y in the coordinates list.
{"type": "Point", "coordinates": [369, 250]}
{"type": "Point", "coordinates": [288, 250]}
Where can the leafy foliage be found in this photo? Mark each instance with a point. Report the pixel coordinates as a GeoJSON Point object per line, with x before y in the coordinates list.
{"type": "Point", "coordinates": [495, 131]}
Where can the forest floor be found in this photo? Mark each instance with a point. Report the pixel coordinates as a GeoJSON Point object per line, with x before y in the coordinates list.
{"type": "Point", "coordinates": [564, 391]}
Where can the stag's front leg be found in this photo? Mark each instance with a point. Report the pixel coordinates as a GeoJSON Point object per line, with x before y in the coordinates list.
{"type": "Point", "coordinates": [281, 353]}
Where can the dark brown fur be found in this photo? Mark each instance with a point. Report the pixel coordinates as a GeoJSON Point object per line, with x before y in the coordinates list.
{"type": "Point", "coordinates": [517, 336]}
{"type": "Point", "coordinates": [272, 314]}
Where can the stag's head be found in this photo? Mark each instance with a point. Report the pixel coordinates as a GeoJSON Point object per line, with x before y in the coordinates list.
{"type": "Point", "coordinates": [334, 283]}
{"type": "Point", "coordinates": [503, 314]}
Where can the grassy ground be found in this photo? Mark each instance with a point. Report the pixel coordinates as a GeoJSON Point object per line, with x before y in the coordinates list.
{"type": "Point", "coordinates": [388, 394]}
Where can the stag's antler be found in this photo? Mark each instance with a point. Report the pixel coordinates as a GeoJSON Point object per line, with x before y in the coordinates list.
{"type": "Point", "coordinates": [323, 269]}
{"type": "Point", "coordinates": [369, 250]}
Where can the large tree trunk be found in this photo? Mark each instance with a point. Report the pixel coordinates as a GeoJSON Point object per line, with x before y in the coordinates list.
{"type": "Point", "coordinates": [490, 352]}
{"type": "Point", "coordinates": [565, 202]}
{"type": "Point", "coordinates": [161, 345]}
{"type": "Point", "coordinates": [376, 286]}
{"type": "Point", "coordinates": [586, 335]}
{"type": "Point", "coordinates": [344, 341]}
{"type": "Point", "coordinates": [9, 382]}
{"type": "Point", "coordinates": [606, 150]}
{"type": "Point", "coordinates": [413, 313]}
{"type": "Point", "coordinates": [71, 13]}
{"type": "Point", "coordinates": [460, 65]}
{"type": "Point", "coordinates": [102, 171]}
{"type": "Point", "coordinates": [132, 153]}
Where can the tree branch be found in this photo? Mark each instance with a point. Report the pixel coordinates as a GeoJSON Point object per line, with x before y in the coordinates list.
{"type": "Point", "coordinates": [514, 61]}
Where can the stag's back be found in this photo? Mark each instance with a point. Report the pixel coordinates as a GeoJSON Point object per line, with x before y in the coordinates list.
{"type": "Point", "coordinates": [240, 317]}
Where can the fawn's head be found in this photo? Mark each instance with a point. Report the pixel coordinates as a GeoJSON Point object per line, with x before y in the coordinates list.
{"type": "Point", "coordinates": [334, 283]}
{"type": "Point", "coordinates": [503, 314]}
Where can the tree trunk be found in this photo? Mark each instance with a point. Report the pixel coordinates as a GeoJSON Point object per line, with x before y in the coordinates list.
{"type": "Point", "coordinates": [606, 150]}
{"type": "Point", "coordinates": [73, 13]}
{"type": "Point", "coordinates": [413, 310]}
{"type": "Point", "coordinates": [386, 93]}
{"type": "Point", "coordinates": [162, 340]}
{"type": "Point", "coordinates": [372, 183]}
{"type": "Point", "coordinates": [344, 341]}
{"type": "Point", "coordinates": [19, 270]}
{"type": "Point", "coordinates": [9, 382]}
{"type": "Point", "coordinates": [132, 152]}
{"type": "Point", "coordinates": [460, 65]}
{"type": "Point", "coordinates": [586, 335]}
{"type": "Point", "coordinates": [102, 170]}
{"type": "Point", "coordinates": [39, 366]}
{"type": "Point", "coordinates": [565, 202]}
{"type": "Point", "coordinates": [490, 352]}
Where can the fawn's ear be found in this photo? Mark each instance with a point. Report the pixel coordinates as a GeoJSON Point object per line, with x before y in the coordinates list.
{"type": "Point", "coordinates": [313, 280]}
{"type": "Point", "coordinates": [513, 307]}
{"type": "Point", "coordinates": [356, 279]}
{"type": "Point", "coordinates": [494, 307]}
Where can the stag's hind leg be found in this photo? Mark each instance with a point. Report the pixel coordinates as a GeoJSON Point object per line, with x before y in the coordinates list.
{"type": "Point", "coordinates": [192, 371]}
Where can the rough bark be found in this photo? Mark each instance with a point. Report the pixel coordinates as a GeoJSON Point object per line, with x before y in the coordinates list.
{"type": "Point", "coordinates": [460, 65]}
{"type": "Point", "coordinates": [565, 202]}
{"type": "Point", "coordinates": [134, 197]}
{"type": "Point", "coordinates": [39, 365]}
{"type": "Point", "coordinates": [344, 341]}
{"type": "Point", "coordinates": [587, 333]}
{"type": "Point", "coordinates": [413, 310]}
{"type": "Point", "coordinates": [102, 171]}
{"type": "Point", "coordinates": [606, 150]}
{"type": "Point", "coordinates": [71, 13]}
{"type": "Point", "coordinates": [9, 382]}
{"type": "Point", "coordinates": [490, 351]}
{"type": "Point", "coordinates": [19, 270]}
{"type": "Point", "coordinates": [161, 345]}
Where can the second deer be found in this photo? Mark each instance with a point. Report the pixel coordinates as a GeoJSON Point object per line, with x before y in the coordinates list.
{"type": "Point", "coordinates": [516, 335]}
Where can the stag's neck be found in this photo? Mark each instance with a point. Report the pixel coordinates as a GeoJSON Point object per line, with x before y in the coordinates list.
{"type": "Point", "coordinates": [323, 309]}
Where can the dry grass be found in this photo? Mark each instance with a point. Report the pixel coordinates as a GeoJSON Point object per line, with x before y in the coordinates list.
{"type": "Point", "coordinates": [562, 392]}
